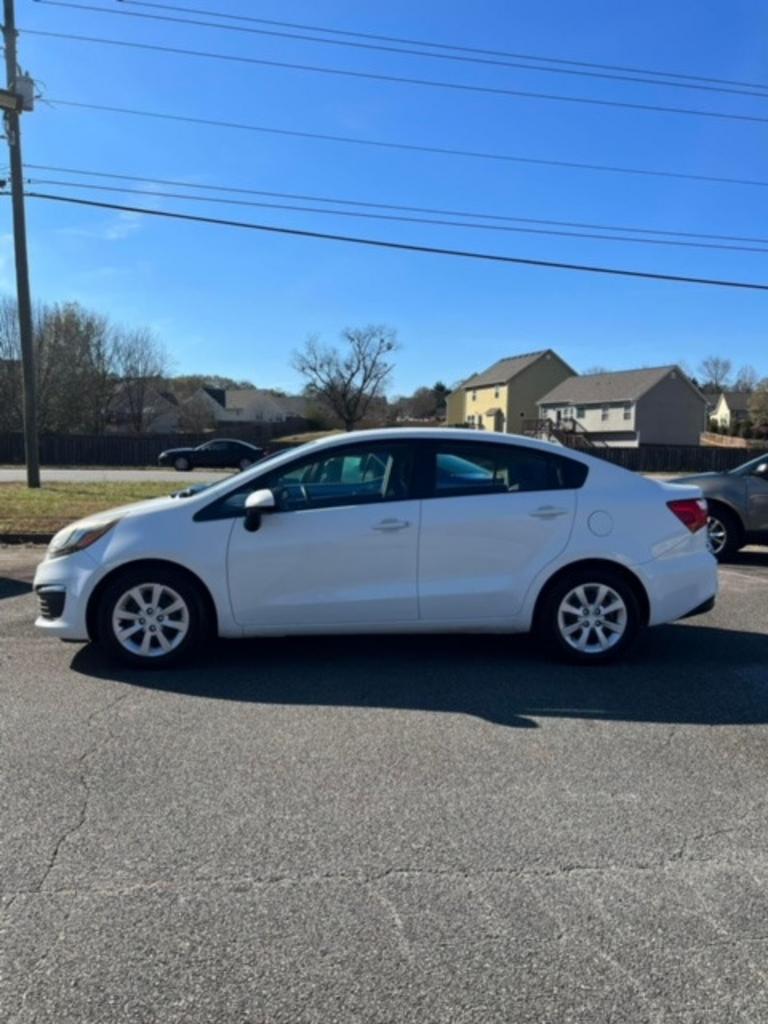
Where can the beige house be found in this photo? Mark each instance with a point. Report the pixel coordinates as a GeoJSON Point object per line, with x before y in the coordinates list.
{"type": "Point", "coordinates": [628, 408]}
{"type": "Point", "coordinates": [732, 407]}
{"type": "Point", "coordinates": [505, 395]}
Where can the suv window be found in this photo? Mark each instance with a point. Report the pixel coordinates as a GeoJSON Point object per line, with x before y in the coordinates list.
{"type": "Point", "coordinates": [463, 468]}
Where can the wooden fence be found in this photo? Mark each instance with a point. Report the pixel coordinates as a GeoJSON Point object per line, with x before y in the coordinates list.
{"type": "Point", "coordinates": [142, 450]}
{"type": "Point", "coordinates": [130, 449]}
{"type": "Point", "coordinates": [671, 458]}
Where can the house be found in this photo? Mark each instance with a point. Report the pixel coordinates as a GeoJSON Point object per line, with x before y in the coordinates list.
{"type": "Point", "coordinates": [247, 405]}
{"type": "Point", "coordinates": [628, 408]}
{"type": "Point", "coordinates": [732, 407]}
{"type": "Point", "coordinates": [505, 395]}
{"type": "Point", "coordinates": [142, 406]}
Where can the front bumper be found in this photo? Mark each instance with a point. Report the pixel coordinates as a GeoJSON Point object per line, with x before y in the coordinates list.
{"type": "Point", "coordinates": [63, 586]}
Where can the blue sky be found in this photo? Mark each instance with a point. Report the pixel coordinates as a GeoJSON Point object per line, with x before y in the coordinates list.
{"type": "Point", "coordinates": [237, 303]}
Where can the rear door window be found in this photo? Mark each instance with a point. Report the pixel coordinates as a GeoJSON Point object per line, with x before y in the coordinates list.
{"type": "Point", "coordinates": [464, 468]}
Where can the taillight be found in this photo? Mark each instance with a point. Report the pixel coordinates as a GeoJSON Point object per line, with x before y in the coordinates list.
{"type": "Point", "coordinates": [691, 511]}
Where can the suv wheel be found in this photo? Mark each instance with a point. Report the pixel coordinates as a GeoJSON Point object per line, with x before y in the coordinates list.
{"type": "Point", "coordinates": [723, 533]}
{"type": "Point", "coordinates": [151, 617]}
{"type": "Point", "coordinates": [590, 616]}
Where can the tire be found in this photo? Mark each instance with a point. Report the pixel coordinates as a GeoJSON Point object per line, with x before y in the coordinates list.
{"type": "Point", "coordinates": [724, 533]}
{"type": "Point", "coordinates": [162, 599]}
{"type": "Point", "coordinates": [245, 463]}
{"type": "Point", "coordinates": [590, 617]}
{"type": "Point", "coordinates": [182, 464]}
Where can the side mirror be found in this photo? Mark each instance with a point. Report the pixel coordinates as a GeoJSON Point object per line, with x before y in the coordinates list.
{"type": "Point", "coordinates": [256, 504]}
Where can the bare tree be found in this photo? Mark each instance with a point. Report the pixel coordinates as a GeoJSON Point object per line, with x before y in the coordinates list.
{"type": "Point", "coordinates": [758, 407]}
{"type": "Point", "coordinates": [746, 379]}
{"type": "Point", "coordinates": [10, 367]}
{"type": "Point", "coordinates": [348, 382]}
{"type": "Point", "coordinates": [715, 373]}
{"type": "Point", "coordinates": [141, 366]}
{"type": "Point", "coordinates": [196, 415]}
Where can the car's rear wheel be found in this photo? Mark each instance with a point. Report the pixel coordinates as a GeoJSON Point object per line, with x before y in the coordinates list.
{"type": "Point", "coordinates": [181, 464]}
{"type": "Point", "coordinates": [724, 533]}
{"type": "Point", "coordinates": [590, 616]}
{"type": "Point", "coordinates": [152, 617]}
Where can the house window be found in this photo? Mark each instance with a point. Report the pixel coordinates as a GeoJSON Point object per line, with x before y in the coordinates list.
{"type": "Point", "coordinates": [605, 412]}
{"type": "Point", "coordinates": [471, 420]}
{"type": "Point", "coordinates": [627, 410]}
{"type": "Point", "coordinates": [580, 412]}
{"type": "Point", "coordinates": [496, 391]}
{"type": "Point", "coordinates": [474, 396]}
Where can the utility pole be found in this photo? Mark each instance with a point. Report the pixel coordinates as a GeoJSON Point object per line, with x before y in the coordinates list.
{"type": "Point", "coordinates": [13, 100]}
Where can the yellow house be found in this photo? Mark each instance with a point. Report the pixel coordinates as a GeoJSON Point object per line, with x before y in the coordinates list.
{"type": "Point", "coordinates": [507, 394]}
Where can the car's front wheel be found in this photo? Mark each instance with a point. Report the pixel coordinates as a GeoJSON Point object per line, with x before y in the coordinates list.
{"type": "Point", "coordinates": [590, 616]}
{"type": "Point", "coordinates": [244, 463]}
{"type": "Point", "coordinates": [152, 617]}
{"type": "Point", "coordinates": [723, 533]}
{"type": "Point", "coordinates": [181, 464]}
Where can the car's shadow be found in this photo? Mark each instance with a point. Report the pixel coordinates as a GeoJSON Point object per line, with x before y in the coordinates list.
{"type": "Point", "coordinates": [753, 556]}
{"type": "Point", "coordinates": [681, 674]}
{"type": "Point", "coordinates": [11, 587]}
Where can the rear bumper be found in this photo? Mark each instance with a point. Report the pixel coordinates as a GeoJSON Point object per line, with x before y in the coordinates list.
{"type": "Point", "coordinates": [680, 585]}
{"type": "Point", "coordinates": [701, 609]}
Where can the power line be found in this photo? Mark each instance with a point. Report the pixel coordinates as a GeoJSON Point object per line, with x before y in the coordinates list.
{"type": "Point", "coordinates": [176, 183]}
{"type": "Point", "coordinates": [440, 45]}
{"type": "Point", "coordinates": [398, 218]}
{"type": "Point", "coordinates": [398, 79]}
{"type": "Point", "coordinates": [408, 147]}
{"type": "Point", "coordinates": [404, 246]}
{"type": "Point", "coordinates": [380, 47]}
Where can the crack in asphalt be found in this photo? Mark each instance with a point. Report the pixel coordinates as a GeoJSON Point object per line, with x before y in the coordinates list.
{"type": "Point", "coordinates": [84, 783]}
{"type": "Point", "coordinates": [66, 835]}
{"type": "Point", "coordinates": [362, 878]}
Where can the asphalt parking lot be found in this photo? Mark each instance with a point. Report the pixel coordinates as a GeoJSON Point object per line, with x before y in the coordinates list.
{"type": "Point", "coordinates": [387, 830]}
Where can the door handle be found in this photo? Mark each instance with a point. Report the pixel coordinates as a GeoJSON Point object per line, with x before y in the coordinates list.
{"type": "Point", "coordinates": [391, 525]}
{"type": "Point", "coordinates": [549, 512]}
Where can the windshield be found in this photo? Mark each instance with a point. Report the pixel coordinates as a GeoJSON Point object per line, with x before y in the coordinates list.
{"type": "Point", "coordinates": [220, 486]}
{"type": "Point", "coordinates": [749, 467]}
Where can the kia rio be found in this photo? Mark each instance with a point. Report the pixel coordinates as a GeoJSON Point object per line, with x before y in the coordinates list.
{"type": "Point", "coordinates": [388, 531]}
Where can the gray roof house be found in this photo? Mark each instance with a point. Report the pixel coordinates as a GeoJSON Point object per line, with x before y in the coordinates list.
{"type": "Point", "coordinates": [627, 408]}
{"type": "Point", "coordinates": [505, 396]}
{"type": "Point", "coordinates": [249, 405]}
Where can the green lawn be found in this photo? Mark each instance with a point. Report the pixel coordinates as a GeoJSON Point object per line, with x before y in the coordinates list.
{"type": "Point", "coordinates": [55, 505]}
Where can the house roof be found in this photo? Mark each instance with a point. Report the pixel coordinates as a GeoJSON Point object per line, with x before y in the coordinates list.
{"type": "Point", "coordinates": [617, 386]}
{"type": "Point", "coordinates": [219, 395]}
{"type": "Point", "coordinates": [737, 401]}
{"type": "Point", "coordinates": [504, 369]}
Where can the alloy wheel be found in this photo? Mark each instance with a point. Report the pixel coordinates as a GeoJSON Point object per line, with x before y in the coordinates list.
{"type": "Point", "coordinates": [717, 534]}
{"type": "Point", "coordinates": [592, 618]}
{"type": "Point", "coordinates": [150, 620]}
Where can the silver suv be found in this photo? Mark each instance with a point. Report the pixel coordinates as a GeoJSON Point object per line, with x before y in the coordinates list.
{"type": "Point", "coordinates": [738, 506]}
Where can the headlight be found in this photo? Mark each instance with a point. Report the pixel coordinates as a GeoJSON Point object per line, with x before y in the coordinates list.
{"type": "Point", "coordinates": [78, 538]}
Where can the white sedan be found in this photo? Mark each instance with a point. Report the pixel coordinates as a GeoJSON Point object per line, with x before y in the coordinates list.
{"type": "Point", "coordinates": [388, 531]}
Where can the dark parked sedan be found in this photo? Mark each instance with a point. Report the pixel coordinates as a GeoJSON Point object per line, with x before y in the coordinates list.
{"type": "Point", "coordinates": [220, 454]}
{"type": "Point", "coordinates": [738, 506]}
